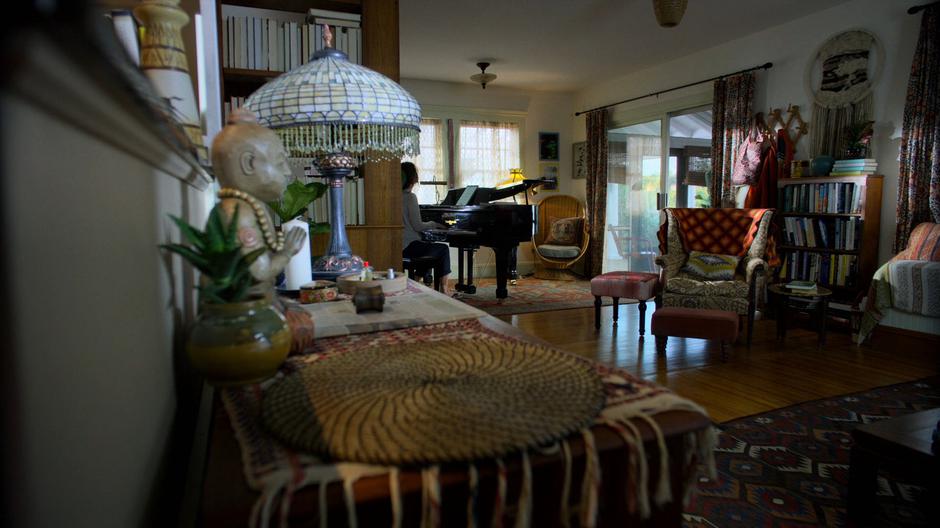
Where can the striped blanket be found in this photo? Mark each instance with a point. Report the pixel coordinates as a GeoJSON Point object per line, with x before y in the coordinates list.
{"type": "Point", "coordinates": [911, 286]}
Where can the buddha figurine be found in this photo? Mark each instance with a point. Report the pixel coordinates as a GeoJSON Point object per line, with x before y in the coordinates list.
{"type": "Point", "coordinates": [251, 164]}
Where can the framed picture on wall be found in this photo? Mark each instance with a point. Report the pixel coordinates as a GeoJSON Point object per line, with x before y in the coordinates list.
{"type": "Point", "coordinates": [549, 171]}
{"type": "Point", "coordinates": [579, 161]}
{"type": "Point", "coordinates": [548, 146]}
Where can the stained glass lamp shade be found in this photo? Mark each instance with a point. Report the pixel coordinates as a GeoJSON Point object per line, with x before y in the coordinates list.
{"type": "Point", "coordinates": [338, 114]}
{"type": "Point", "coordinates": [330, 106]}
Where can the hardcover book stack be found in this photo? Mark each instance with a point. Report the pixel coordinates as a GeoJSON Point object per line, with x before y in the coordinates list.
{"type": "Point", "coordinates": [854, 167]}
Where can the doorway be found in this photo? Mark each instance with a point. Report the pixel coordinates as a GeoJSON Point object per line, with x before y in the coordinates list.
{"type": "Point", "coordinates": [641, 181]}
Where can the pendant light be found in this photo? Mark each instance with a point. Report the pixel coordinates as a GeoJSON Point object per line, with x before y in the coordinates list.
{"type": "Point", "coordinates": [483, 77]}
{"type": "Point", "coordinates": [669, 12]}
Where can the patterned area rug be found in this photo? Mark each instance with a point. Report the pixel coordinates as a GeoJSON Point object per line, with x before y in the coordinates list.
{"type": "Point", "coordinates": [789, 467]}
{"type": "Point", "coordinates": [533, 295]}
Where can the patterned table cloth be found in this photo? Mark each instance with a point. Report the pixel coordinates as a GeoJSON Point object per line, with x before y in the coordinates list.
{"type": "Point", "coordinates": [278, 472]}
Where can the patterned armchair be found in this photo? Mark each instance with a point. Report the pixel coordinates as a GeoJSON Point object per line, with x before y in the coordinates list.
{"type": "Point", "coordinates": [741, 232]}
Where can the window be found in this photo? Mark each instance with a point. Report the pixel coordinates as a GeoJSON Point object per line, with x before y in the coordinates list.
{"type": "Point", "coordinates": [488, 150]}
{"type": "Point", "coordinates": [430, 163]}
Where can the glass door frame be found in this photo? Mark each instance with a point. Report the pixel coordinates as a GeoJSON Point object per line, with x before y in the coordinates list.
{"type": "Point", "coordinates": [663, 111]}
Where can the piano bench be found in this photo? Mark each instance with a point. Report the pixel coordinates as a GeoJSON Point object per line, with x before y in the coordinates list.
{"type": "Point", "coordinates": [422, 267]}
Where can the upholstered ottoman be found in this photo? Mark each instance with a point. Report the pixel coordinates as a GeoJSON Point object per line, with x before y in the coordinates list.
{"type": "Point", "coordinates": [627, 285]}
{"type": "Point", "coordinates": [693, 322]}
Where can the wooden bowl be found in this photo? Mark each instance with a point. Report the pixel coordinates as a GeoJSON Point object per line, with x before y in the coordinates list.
{"type": "Point", "coordinates": [349, 283]}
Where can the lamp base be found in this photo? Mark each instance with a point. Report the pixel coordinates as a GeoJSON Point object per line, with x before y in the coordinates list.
{"type": "Point", "coordinates": [329, 267]}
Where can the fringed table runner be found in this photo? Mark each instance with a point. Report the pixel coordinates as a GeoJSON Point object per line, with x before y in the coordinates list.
{"type": "Point", "coordinates": [278, 472]}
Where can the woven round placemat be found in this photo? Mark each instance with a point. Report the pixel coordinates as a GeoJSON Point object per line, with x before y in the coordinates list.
{"type": "Point", "coordinates": [445, 401]}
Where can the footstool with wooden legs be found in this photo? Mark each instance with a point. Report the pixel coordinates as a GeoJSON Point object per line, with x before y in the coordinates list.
{"type": "Point", "coordinates": [694, 322]}
{"type": "Point", "coordinates": [625, 285]}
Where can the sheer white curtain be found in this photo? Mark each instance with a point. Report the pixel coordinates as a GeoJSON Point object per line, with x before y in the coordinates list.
{"type": "Point", "coordinates": [488, 150]}
{"type": "Point", "coordinates": [430, 162]}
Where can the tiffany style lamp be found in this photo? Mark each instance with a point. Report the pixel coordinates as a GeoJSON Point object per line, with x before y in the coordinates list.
{"type": "Point", "coordinates": [338, 114]}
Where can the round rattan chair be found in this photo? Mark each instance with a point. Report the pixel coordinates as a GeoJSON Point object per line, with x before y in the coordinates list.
{"type": "Point", "coordinates": [550, 209]}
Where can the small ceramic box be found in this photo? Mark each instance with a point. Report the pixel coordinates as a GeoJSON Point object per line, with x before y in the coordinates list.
{"type": "Point", "coordinates": [318, 291]}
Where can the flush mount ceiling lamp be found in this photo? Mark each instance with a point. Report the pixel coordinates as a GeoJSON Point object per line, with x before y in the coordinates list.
{"type": "Point", "coordinates": [483, 77]}
{"type": "Point", "coordinates": [669, 12]}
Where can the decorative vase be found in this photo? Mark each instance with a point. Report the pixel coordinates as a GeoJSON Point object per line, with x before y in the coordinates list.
{"type": "Point", "coordinates": [822, 165]}
{"type": "Point", "coordinates": [238, 343]}
{"type": "Point", "coordinates": [163, 61]}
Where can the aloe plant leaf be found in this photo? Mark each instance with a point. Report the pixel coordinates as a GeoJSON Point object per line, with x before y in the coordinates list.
{"type": "Point", "coordinates": [232, 230]}
{"type": "Point", "coordinates": [190, 233]}
{"type": "Point", "coordinates": [195, 258]}
{"type": "Point", "coordinates": [215, 231]}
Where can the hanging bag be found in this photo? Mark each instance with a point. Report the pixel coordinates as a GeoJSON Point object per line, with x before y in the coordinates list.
{"type": "Point", "coordinates": [747, 159]}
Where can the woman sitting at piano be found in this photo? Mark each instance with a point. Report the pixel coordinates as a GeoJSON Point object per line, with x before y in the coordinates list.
{"type": "Point", "coordinates": [413, 245]}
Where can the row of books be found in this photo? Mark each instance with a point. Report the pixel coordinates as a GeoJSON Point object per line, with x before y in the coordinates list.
{"type": "Point", "coordinates": [257, 43]}
{"type": "Point", "coordinates": [825, 269]}
{"type": "Point", "coordinates": [354, 203]}
{"type": "Point", "coordinates": [232, 103]}
{"type": "Point", "coordinates": [854, 167]}
{"type": "Point", "coordinates": [830, 233]}
{"type": "Point", "coordinates": [837, 197]}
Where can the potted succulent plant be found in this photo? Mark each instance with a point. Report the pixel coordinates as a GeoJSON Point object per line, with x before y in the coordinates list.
{"type": "Point", "coordinates": [238, 336]}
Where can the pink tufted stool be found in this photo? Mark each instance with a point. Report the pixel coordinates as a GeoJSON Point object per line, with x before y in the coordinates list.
{"type": "Point", "coordinates": [628, 285]}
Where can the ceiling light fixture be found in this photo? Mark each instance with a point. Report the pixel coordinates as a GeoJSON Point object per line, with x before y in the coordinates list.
{"type": "Point", "coordinates": [669, 12]}
{"type": "Point", "coordinates": [483, 77]}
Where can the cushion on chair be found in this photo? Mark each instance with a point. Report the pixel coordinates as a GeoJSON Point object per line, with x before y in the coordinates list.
{"type": "Point", "coordinates": [626, 284]}
{"type": "Point", "coordinates": [688, 285]}
{"type": "Point", "coordinates": [565, 232]}
{"type": "Point", "coordinates": [556, 251]}
{"type": "Point", "coordinates": [710, 266]}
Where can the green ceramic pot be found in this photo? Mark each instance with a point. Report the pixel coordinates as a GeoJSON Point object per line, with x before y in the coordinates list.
{"type": "Point", "coordinates": [238, 343]}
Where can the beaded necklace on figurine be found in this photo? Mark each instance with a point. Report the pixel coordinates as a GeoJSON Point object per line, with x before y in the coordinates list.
{"type": "Point", "coordinates": [273, 240]}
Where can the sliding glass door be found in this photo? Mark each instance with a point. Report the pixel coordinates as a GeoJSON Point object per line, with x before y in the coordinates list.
{"type": "Point", "coordinates": [641, 181]}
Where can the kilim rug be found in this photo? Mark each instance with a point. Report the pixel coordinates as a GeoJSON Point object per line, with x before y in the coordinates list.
{"type": "Point", "coordinates": [533, 295]}
{"type": "Point", "coordinates": [790, 467]}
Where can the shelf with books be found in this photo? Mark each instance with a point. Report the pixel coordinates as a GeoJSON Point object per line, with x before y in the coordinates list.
{"type": "Point", "coordinates": [829, 231]}
{"type": "Point", "coordinates": [820, 250]}
{"type": "Point", "coordinates": [378, 192]}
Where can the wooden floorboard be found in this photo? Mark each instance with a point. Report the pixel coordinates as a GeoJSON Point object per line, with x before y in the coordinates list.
{"type": "Point", "coordinates": [768, 376]}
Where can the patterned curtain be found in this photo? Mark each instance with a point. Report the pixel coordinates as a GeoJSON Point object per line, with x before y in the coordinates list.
{"type": "Point", "coordinates": [732, 105]}
{"type": "Point", "coordinates": [596, 152]}
{"type": "Point", "coordinates": [919, 179]}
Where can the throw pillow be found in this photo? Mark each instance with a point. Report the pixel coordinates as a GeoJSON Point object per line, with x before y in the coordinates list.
{"type": "Point", "coordinates": [710, 266]}
{"type": "Point", "coordinates": [565, 232]}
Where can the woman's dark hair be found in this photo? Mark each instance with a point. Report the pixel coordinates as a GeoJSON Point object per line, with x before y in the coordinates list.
{"type": "Point", "coordinates": [409, 175]}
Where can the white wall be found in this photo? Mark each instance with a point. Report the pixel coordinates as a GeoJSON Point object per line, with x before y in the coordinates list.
{"type": "Point", "coordinates": [544, 112]}
{"type": "Point", "coordinates": [100, 402]}
{"type": "Point", "coordinates": [790, 46]}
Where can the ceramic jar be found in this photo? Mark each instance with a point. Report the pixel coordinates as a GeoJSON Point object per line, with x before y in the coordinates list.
{"type": "Point", "coordinates": [238, 343]}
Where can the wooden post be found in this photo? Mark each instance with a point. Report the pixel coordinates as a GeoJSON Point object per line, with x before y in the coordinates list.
{"type": "Point", "coordinates": [383, 207]}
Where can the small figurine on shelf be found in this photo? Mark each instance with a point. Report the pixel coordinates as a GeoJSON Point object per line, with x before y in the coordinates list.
{"type": "Point", "coordinates": [251, 164]}
{"type": "Point", "coordinates": [858, 137]}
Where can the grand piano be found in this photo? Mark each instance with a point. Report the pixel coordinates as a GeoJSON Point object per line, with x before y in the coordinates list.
{"type": "Point", "coordinates": [473, 220]}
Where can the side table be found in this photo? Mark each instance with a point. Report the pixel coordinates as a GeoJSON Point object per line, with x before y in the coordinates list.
{"type": "Point", "coordinates": [787, 299]}
{"type": "Point", "coordinates": [902, 444]}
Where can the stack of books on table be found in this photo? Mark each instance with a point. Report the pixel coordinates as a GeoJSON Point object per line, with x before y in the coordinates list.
{"type": "Point", "coordinates": [855, 167]}
{"type": "Point", "coordinates": [801, 286]}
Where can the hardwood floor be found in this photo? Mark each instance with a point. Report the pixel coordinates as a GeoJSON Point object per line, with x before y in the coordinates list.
{"type": "Point", "coordinates": [768, 376]}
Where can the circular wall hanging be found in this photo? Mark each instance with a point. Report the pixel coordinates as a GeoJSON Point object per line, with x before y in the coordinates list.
{"type": "Point", "coordinates": [839, 79]}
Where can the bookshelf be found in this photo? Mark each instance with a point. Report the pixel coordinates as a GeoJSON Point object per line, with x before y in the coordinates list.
{"type": "Point", "coordinates": [378, 237]}
{"type": "Point", "coordinates": [829, 232]}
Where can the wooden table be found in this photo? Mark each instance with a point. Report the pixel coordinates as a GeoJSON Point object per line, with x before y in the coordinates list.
{"type": "Point", "coordinates": [227, 500]}
{"type": "Point", "coordinates": [903, 445]}
{"type": "Point", "coordinates": [814, 300]}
